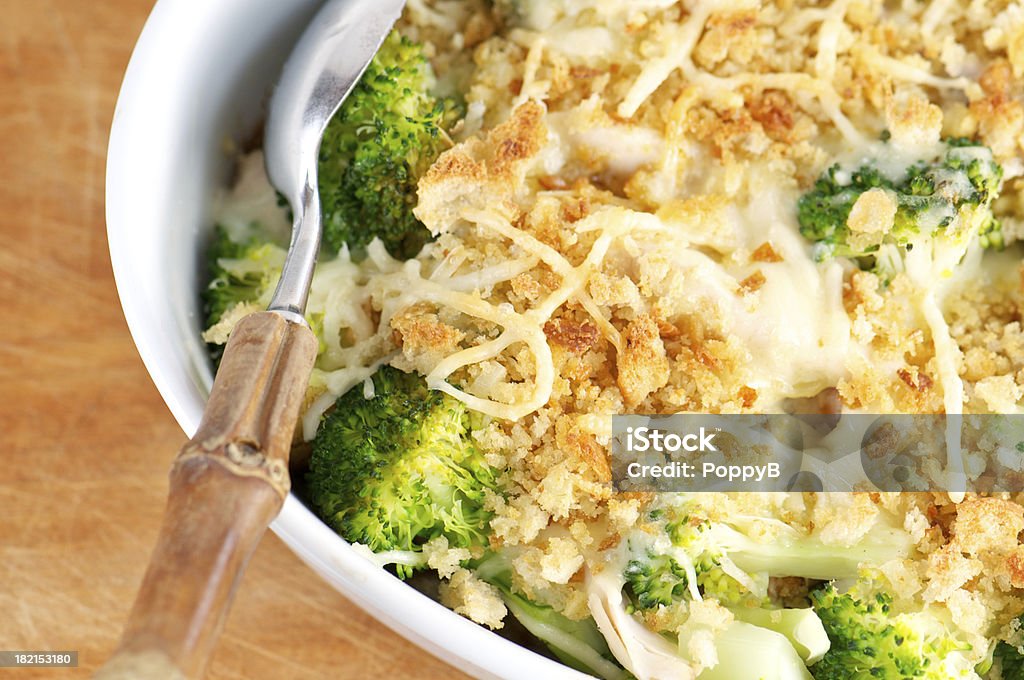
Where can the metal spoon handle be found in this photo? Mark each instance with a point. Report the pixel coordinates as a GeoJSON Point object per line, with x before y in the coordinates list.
{"type": "Point", "coordinates": [227, 483]}
{"type": "Point", "coordinates": [292, 290]}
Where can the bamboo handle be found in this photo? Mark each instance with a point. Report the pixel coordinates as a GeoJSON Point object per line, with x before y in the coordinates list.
{"type": "Point", "coordinates": [227, 483]}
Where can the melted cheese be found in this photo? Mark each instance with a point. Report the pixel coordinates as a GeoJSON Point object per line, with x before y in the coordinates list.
{"type": "Point", "coordinates": [624, 148]}
{"type": "Point", "coordinates": [828, 40]}
{"type": "Point", "coordinates": [902, 71]}
{"type": "Point", "coordinates": [675, 53]}
{"type": "Point", "coordinates": [798, 349]}
{"type": "Point", "coordinates": [794, 326]}
{"type": "Point", "coordinates": [251, 202]}
{"type": "Point", "coordinates": [798, 330]}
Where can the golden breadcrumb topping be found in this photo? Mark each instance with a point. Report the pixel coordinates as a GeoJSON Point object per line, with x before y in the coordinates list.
{"type": "Point", "coordinates": [623, 187]}
{"type": "Point", "coordinates": [616, 233]}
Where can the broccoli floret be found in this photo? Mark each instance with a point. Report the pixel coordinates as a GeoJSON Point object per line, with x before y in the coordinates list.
{"type": "Point", "coordinates": [770, 648]}
{"type": "Point", "coordinates": [245, 270]}
{"type": "Point", "coordinates": [949, 196]}
{"type": "Point", "coordinates": [240, 271]}
{"type": "Point", "coordinates": [703, 558]}
{"type": "Point", "coordinates": [1008, 662]}
{"type": "Point", "coordinates": [655, 579]}
{"type": "Point", "coordinates": [658, 580]}
{"type": "Point", "coordinates": [382, 139]}
{"type": "Point", "coordinates": [397, 469]}
{"type": "Point", "coordinates": [869, 639]}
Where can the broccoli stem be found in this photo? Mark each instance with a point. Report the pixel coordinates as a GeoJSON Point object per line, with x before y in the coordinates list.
{"type": "Point", "coordinates": [578, 644]}
{"type": "Point", "coordinates": [801, 627]}
{"type": "Point", "coordinates": [749, 651]}
{"type": "Point", "coordinates": [809, 557]}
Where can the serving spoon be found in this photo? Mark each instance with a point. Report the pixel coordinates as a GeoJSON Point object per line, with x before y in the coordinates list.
{"type": "Point", "coordinates": [230, 480]}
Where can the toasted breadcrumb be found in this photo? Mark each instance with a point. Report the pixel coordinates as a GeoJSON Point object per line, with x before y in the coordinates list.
{"type": "Point", "coordinates": [423, 337]}
{"type": "Point", "coordinates": [467, 595]}
{"type": "Point", "coordinates": [643, 366]}
{"type": "Point", "coordinates": [519, 520]}
{"type": "Point", "coordinates": [912, 120]}
{"type": "Point", "coordinates": [706, 619]}
{"type": "Point", "coordinates": [486, 172]}
{"type": "Point", "coordinates": [219, 333]}
{"type": "Point", "coordinates": [581, 109]}
{"type": "Point", "coordinates": [844, 519]}
{"type": "Point", "coordinates": [444, 559]}
{"type": "Point", "coordinates": [948, 570]}
{"type": "Point", "coordinates": [987, 525]}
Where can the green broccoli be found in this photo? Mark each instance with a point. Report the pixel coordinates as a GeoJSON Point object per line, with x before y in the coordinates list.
{"type": "Point", "coordinates": [240, 271]}
{"type": "Point", "coordinates": [752, 651]}
{"type": "Point", "coordinates": [712, 554]}
{"type": "Point", "coordinates": [379, 143]}
{"type": "Point", "coordinates": [577, 644]}
{"type": "Point", "coordinates": [1007, 658]}
{"type": "Point", "coordinates": [755, 643]}
{"type": "Point", "coordinates": [400, 468]}
{"type": "Point", "coordinates": [870, 639]}
{"type": "Point", "coordinates": [655, 579]}
{"type": "Point", "coordinates": [946, 197]}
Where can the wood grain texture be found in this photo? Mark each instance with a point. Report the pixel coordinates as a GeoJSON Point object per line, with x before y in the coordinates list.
{"type": "Point", "coordinates": [85, 441]}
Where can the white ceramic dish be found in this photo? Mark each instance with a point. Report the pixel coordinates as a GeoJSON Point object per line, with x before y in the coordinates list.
{"type": "Point", "coordinates": [198, 78]}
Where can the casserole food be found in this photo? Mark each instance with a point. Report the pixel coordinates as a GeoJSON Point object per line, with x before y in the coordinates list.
{"type": "Point", "coordinates": [659, 207]}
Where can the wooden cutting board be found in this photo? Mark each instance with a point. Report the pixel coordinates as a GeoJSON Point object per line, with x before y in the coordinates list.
{"type": "Point", "coordinates": [85, 441]}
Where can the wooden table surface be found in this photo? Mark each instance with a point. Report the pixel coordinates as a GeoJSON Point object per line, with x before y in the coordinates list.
{"type": "Point", "coordinates": [85, 440]}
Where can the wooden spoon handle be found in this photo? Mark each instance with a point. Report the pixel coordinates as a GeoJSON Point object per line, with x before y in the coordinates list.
{"type": "Point", "coordinates": [227, 483]}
